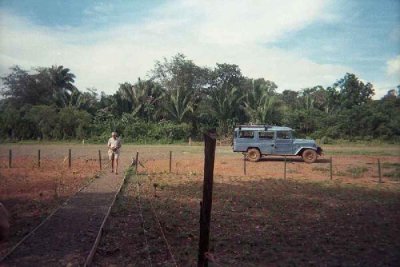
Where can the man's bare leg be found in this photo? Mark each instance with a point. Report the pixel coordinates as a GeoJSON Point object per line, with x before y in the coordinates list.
{"type": "Point", "coordinates": [116, 166]}
{"type": "Point", "coordinates": [112, 163]}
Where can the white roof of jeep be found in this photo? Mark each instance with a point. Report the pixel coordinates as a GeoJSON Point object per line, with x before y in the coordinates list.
{"type": "Point", "coordinates": [262, 128]}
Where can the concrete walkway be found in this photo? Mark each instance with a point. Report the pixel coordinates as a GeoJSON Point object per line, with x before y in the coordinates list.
{"type": "Point", "coordinates": [67, 237]}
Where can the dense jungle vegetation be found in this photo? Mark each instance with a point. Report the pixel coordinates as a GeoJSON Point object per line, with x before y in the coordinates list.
{"type": "Point", "coordinates": [179, 100]}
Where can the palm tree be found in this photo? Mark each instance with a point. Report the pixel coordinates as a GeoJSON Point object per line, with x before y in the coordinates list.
{"type": "Point", "coordinates": [62, 84]}
{"type": "Point", "coordinates": [261, 104]}
{"type": "Point", "coordinates": [178, 104]}
{"type": "Point", "coordinates": [142, 97]}
{"type": "Point", "coordinates": [224, 104]}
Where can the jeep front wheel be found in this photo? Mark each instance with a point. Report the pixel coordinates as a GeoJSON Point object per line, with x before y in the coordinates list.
{"type": "Point", "coordinates": [253, 155]}
{"type": "Point", "coordinates": [309, 156]}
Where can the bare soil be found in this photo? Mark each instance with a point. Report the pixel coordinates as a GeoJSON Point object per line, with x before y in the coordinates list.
{"type": "Point", "coordinates": [256, 221]}
{"type": "Point", "coordinates": [31, 193]}
{"type": "Point", "coordinates": [258, 218]}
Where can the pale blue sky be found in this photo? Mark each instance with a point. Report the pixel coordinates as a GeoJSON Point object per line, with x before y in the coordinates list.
{"type": "Point", "coordinates": [297, 44]}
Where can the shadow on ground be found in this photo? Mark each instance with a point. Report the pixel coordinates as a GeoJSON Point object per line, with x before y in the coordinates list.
{"type": "Point", "coordinates": [257, 222]}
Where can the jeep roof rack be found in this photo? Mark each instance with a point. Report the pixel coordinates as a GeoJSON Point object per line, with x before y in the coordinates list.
{"type": "Point", "coordinates": [265, 126]}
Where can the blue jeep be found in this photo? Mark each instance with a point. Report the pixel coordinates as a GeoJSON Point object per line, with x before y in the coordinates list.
{"type": "Point", "coordinates": [258, 140]}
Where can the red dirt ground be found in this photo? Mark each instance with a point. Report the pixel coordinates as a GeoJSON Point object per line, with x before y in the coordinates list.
{"type": "Point", "coordinates": [355, 169]}
{"type": "Point", "coordinates": [31, 193]}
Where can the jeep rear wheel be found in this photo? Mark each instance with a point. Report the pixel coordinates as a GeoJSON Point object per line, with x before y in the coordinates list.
{"type": "Point", "coordinates": [253, 154]}
{"type": "Point", "coordinates": [309, 156]}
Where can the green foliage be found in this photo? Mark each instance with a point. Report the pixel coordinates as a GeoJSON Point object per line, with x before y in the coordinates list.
{"type": "Point", "coordinates": [163, 132]}
{"type": "Point", "coordinates": [261, 104]}
{"type": "Point", "coordinates": [182, 99]}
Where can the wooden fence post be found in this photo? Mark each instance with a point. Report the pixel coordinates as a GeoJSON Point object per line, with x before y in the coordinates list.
{"type": "Point", "coordinates": [137, 162]}
{"type": "Point", "coordinates": [244, 164]}
{"type": "Point", "coordinates": [38, 158]}
{"type": "Point", "coordinates": [100, 159]}
{"type": "Point", "coordinates": [206, 204]}
{"type": "Point", "coordinates": [170, 161]}
{"type": "Point", "coordinates": [331, 168]}
{"type": "Point", "coordinates": [379, 171]}
{"type": "Point", "coordinates": [69, 158]}
{"type": "Point", "coordinates": [10, 158]}
{"type": "Point", "coordinates": [284, 169]}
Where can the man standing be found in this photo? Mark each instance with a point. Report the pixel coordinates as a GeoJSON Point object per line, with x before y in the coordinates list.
{"type": "Point", "coordinates": [114, 144]}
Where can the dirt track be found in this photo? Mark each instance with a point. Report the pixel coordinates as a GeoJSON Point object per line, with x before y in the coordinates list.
{"type": "Point", "coordinates": [67, 237]}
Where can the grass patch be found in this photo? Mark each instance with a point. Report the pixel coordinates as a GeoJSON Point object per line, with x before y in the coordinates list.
{"type": "Point", "coordinates": [321, 169]}
{"type": "Point", "coordinates": [391, 165]}
{"type": "Point", "coordinates": [393, 172]}
{"type": "Point", "coordinates": [357, 172]}
{"type": "Point", "coordinates": [340, 173]}
{"type": "Point", "coordinates": [361, 150]}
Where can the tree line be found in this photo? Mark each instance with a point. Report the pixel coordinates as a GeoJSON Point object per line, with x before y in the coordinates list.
{"type": "Point", "coordinates": [180, 99]}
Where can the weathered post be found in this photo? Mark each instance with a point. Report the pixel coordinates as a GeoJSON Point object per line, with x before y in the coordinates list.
{"type": "Point", "coordinates": [331, 168]}
{"type": "Point", "coordinates": [244, 164]}
{"type": "Point", "coordinates": [170, 161]}
{"type": "Point", "coordinates": [10, 158]}
{"type": "Point", "coordinates": [137, 162]}
{"type": "Point", "coordinates": [379, 171]}
{"type": "Point", "coordinates": [100, 159]}
{"type": "Point", "coordinates": [206, 204]}
{"type": "Point", "coordinates": [69, 158]}
{"type": "Point", "coordinates": [38, 158]}
{"type": "Point", "coordinates": [284, 169]}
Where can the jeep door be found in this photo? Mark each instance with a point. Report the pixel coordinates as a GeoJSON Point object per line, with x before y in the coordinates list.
{"type": "Point", "coordinates": [243, 139]}
{"type": "Point", "coordinates": [266, 142]}
{"type": "Point", "coordinates": [283, 143]}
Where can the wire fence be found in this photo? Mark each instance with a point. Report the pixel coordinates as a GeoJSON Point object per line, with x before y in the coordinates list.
{"type": "Point", "coordinates": [190, 161]}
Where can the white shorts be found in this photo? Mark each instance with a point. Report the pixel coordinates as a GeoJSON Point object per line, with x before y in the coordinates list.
{"type": "Point", "coordinates": [113, 154]}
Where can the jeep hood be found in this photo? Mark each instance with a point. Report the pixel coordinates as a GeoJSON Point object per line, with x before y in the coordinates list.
{"type": "Point", "coordinates": [308, 142]}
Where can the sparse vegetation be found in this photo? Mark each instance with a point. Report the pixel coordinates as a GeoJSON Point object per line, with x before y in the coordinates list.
{"type": "Point", "coordinates": [392, 170]}
{"type": "Point", "coordinates": [320, 169]}
{"type": "Point", "coordinates": [357, 172]}
{"type": "Point", "coordinates": [257, 221]}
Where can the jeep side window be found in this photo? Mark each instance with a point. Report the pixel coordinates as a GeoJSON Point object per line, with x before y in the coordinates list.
{"type": "Point", "coordinates": [283, 135]}
{"type": "Point", "coordinates": [266, 135]}
{"type": "Point", "coordinates": [246, 134]}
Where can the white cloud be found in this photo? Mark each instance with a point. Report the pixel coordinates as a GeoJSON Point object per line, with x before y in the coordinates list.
{"type": "Point", "coordinates": [206, 31]}
{"type": "Point", "coordinates": [393, 66]}
{"type": "Point", "coordinates": [247, 22]}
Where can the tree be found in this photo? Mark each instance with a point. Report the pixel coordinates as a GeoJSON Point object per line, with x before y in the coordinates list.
{"type": "Point", "coordinates": [46, 120]}
{"type": "Point", "coordinates": [261, 103]}
{"type": "Point", "coordinates": [142, 97]}
{"type": "Point", "coordinates": [179, 72]}
{"type": "Point", "coordinates": [225, 95]}
{"type": "Point", "coordinates": [179, 104]}
{"type": "Point", "coordinates": [183, 84]}
{"type": "Point", "coordinates": [84, 100]}
{"type": "Point", "coordinates": [44, 86]}
{"type": "Point", "coordinates": [22, 88]}
{"type": "Point", "coordinates": [74, 123]}
{"type": "Point", "coordinates": [352, 91]}
{"type": "Point", "coordinates": [290, 98]}
{"type": "Point", "coordinates": [62, 84]}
